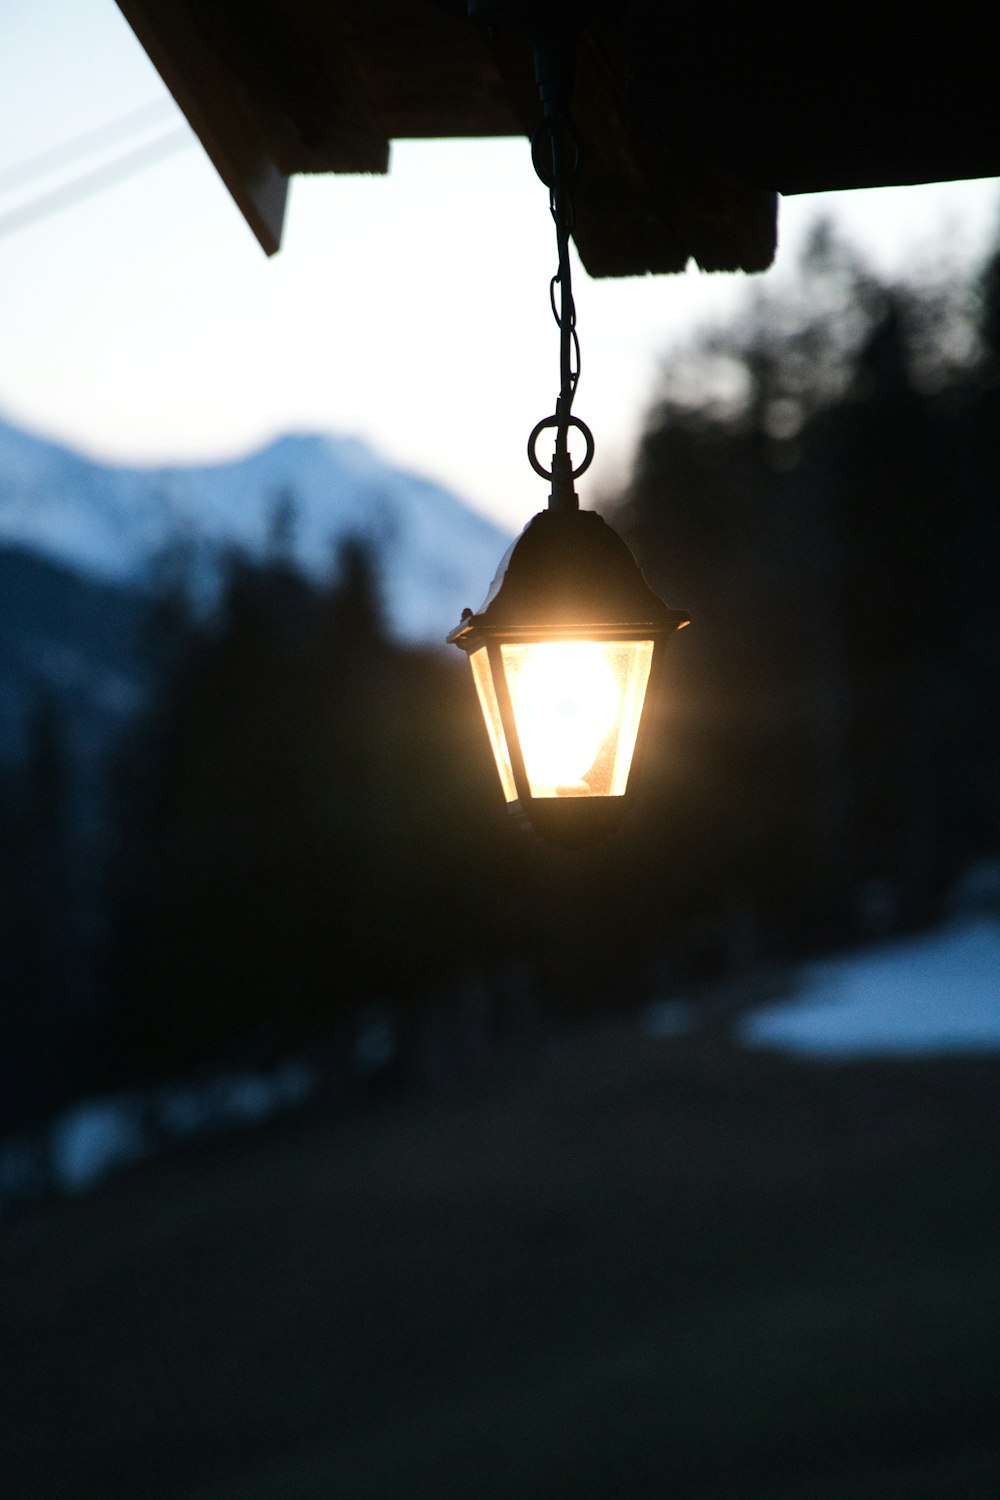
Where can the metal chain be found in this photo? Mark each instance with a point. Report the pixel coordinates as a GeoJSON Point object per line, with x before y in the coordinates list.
{"type": "Point", "coordinates": [563, 309]}
{"type": "Point", "coordinates": [555, 154]}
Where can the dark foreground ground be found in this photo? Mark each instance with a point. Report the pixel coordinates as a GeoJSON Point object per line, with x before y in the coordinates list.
{"type": "Point", "coordinates": [616, 1268]}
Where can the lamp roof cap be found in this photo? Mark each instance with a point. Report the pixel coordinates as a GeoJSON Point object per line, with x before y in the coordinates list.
{"type": "Point", "coordinates": [566, 570]}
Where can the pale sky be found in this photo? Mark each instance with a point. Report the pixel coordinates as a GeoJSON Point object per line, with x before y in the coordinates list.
{"type": "Point", "coordinates": [146, 325]}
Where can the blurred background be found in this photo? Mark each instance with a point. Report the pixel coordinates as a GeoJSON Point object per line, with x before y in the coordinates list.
{"type": "Point", "coordinates": [351, 1142]}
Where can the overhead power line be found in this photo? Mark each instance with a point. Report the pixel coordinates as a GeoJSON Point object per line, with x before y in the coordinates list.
{"type": "Point", "coordinates": [85, 186]}
{"type": "Point", "coordinates": [85, 144]}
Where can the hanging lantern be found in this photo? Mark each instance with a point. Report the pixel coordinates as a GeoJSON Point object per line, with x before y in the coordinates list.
{"type": "Point", "coordinates": [569, 639]}
{"type": "Point", "coordinates": [563, 652]}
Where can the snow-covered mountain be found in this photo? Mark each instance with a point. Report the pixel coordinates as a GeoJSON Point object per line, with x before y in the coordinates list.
{"type": "Point", "coordinates": [436, 555]}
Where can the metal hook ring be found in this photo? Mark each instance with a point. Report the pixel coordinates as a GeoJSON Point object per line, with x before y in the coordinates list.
{"type": "Point", "coordinates": [553, 421]}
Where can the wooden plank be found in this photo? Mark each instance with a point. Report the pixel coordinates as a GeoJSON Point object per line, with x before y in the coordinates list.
{"type": "Point", "coordinates": [217, 109]}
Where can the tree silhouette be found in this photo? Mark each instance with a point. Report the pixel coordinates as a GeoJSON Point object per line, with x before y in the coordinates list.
{"type": "Point", "coordinates": [816, 523]}
{"type": "Point", "coordinates": [314, 810]}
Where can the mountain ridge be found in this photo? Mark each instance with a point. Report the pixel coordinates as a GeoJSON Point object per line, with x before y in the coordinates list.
{"type": "Point", "coordinates": [112, 522]}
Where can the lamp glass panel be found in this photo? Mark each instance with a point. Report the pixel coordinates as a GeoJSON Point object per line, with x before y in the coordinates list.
{"type": "Point", "coordinates": [577, 706]}
{"type": "Point", "coordinates": [483, 678]}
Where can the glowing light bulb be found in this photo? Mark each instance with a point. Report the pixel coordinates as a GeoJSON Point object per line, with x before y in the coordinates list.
{"type": "Point", "coordinates": [566, 700]}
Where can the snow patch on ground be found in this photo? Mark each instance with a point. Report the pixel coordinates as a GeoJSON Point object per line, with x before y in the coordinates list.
{"type": "Point", "coordinates": [95, 1138]}
{"type": "Point", "coordinates": [936, 993]}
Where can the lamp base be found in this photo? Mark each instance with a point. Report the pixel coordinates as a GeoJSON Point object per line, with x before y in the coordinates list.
{"type": "Point", "coordinates": [570, 822]}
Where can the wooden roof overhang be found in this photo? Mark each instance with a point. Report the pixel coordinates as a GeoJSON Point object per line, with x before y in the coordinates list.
{"type": "Point", "coordinates": [692, 121]}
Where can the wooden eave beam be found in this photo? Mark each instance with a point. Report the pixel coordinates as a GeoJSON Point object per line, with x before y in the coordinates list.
{"type": "Point", "coordinates": [323, 85]}
{"type": "Point", "coordinates": [641, 208]}
{"type": "Point", "coordinates": [217, 109]}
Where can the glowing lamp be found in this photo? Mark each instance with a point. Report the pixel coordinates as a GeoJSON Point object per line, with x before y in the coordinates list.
{"type": "Point", "coordinates": [562, 652]}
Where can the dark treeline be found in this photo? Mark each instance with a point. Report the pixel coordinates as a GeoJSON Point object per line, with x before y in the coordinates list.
{"type": "Point", "coordinates": [42, 985]}
{"type": "Point", "coordinates": [308, 822]}
{"type": "Point", "coordinates": [307, 827]}
{"type": "Point", "coordinates": [828, 509]}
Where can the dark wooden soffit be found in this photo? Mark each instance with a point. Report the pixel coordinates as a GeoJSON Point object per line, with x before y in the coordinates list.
{"type": "Point", "coordinates": [691, 123]}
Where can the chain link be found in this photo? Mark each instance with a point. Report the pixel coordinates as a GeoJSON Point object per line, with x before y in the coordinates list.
{"type": "Point", "coordinates": [557, 168]}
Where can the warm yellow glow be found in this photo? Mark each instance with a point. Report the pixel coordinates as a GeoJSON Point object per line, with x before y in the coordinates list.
{"type": "Point", "coordinates": [565, 700]}
{"type": "Point", "coordinates": [577, 706]}
{"type": "Point", "coordinates": [483, 678]}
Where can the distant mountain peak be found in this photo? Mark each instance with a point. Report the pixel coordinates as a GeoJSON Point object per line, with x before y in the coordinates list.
{"type": "Point", "coordinates": [435, 554]}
